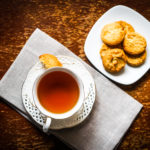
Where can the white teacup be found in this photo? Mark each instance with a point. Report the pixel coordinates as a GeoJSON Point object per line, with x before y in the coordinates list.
{"type": "Point", "coordinates": [51, 115]}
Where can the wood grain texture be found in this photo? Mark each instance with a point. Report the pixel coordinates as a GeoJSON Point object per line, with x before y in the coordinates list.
{"type": "Point", "coordinates": [68, 22]}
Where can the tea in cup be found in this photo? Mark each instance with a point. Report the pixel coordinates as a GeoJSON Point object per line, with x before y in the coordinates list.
{"type": "Point", "coordinates": [58, 93]}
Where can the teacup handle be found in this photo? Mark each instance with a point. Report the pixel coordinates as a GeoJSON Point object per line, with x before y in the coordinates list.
{"type": "Point", "coordinates": [47, 124]}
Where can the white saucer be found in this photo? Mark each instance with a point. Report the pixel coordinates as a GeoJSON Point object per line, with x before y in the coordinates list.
{"type": "Point", "coordinates": [89, 89]}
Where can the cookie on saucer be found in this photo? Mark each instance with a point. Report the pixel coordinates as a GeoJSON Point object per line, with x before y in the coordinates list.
{"type": "Point", "coordinates": [49, 61]}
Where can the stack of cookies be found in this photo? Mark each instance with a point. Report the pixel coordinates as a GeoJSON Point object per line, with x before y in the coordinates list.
{"type": "Point", "coordinates": [121, 44]}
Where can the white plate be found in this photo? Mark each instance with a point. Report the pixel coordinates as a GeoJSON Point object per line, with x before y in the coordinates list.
{"type": "Point", "coordinates": [93, 43]}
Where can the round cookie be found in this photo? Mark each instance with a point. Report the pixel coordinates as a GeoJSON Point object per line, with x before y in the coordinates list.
{"type": "Point", "coordinates": [49, 61]}
{"type": "Point", "coordinates": [126, 26]}
{"type": "Point", "coordinates": [114, 61]}
{"type": "Point", "coordinates": [134, 43]}
{"type": "Point", "coordinates": [112, 34]}
{"type": "Point", "coordinates": [105, 48]}
{"type": "Point", "coordinates": [136, 60]}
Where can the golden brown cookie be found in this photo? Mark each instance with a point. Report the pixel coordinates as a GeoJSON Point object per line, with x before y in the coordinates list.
{"type": "Point", "coordinates": [112, 34]}
{"type": "Point", "coordinates": [136, 60]}
{"type": "Point", "coordinates": [49, 61]}
{"type": "Point", "coordinates": [126, 26]}
{"type": "Point", "coordinates": [114, 60]}
{"type": "Point", "coordinates": [134, 43]}
{"type": "Point", "coordinates": [105, 48]}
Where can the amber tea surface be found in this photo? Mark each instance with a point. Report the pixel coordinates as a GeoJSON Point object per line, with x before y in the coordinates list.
{"type": "Point", "coordinates": [58, 92]}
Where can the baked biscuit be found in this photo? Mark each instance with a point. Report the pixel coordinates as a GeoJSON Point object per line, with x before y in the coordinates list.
{"type": "Point", "coordinates": [112, 34]}
{"type": "Point", "coordinates": [49, 61]}
{"type": "Point", "coordinates": [136, 60]}
{"type": "Point", "coordinates": [114, 61]}
{"type": "Point", "coordinates": [126, 26]}
{"type": "Point", "coordinates": [134, 43]}
{"type": "Point", "coordinates": [105, 48]}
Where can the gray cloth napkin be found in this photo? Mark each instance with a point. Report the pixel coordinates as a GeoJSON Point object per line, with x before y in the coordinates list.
{"type": "Point", "coordinates": [113, 111]}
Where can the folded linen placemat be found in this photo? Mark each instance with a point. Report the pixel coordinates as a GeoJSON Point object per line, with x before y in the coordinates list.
{"type": "Point", "coordinates": [113, 111]}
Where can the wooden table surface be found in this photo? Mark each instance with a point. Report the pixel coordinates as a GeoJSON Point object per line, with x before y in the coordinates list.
{"type": "Point", "coordinates": [68, 22]}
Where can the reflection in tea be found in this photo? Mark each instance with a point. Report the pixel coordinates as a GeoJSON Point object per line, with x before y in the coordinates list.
{"type": "Point", "coordinates": [58, 92]}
